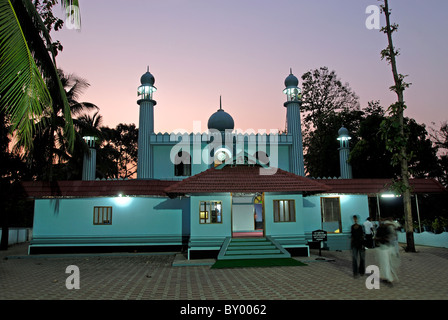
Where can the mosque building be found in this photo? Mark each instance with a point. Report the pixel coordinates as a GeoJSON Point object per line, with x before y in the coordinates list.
{"type": "Point", "coordinates": [223, 192]}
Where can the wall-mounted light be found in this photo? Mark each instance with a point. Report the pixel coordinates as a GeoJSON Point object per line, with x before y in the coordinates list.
{"type": "Point", "coordinates": [389, 195]}
{"type": "Point", "coordinates": [122, 200]}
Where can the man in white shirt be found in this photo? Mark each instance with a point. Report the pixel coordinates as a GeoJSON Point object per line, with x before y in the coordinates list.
{"type": "Point", "coordinates": [368, 230]}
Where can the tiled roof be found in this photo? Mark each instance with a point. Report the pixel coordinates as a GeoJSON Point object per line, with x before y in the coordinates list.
{"type": "Point", "coordinates": [245, 179]}
{"type": "Point", "coordinates": [375, 186]}
{"type": "Point", "coordinates": [99, 188]}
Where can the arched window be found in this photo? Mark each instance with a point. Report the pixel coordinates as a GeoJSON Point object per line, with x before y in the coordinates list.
{"type": "Point", "coordinates": [182, 164]}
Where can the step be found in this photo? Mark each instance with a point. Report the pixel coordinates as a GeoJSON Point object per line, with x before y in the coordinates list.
{"type": "Point", "coordinates": [237, 252]}
{"type": "Point", "coordinates": [251, 248]}
{"type": "Point", "coordinates": [243, 247]}
{"type": "Point", "coordinates": [250, 241]}
{"type": "Point", "coordinates": [253, 256]}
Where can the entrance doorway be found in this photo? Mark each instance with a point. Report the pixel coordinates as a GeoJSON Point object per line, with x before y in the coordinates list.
{"type": "Point", "coordinates": [247, 215]}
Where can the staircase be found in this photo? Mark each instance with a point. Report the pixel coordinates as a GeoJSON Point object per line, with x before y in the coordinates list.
{"type": "Point", "coordinates": [251, 248]}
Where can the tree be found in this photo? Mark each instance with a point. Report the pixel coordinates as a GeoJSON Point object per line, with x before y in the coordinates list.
{"type": "Point", "coordinates": [50, 144]}
{"type": "Point", "coordinates": [440, 138]}
{"type": "Point", "coordinates": [27, 62]}
{"type": "Point", "coordinates": [11, 170]}
{"type": "Point", "coordinates": [370, 158]}
{"type": "Point", "coordinates": [124, 140]}
{"type": "Point", "coordinates": [327, 104]}
{"type": "Point", "coordinates": [393, 131]}
{"type": "Point", "coordinates": [322, 94]}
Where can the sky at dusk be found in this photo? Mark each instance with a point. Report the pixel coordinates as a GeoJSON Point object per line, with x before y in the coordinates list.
{"type": "Point", "coordinates": [243, 50]}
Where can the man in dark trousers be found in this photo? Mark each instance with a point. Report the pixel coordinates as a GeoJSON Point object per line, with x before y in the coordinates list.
{"type": "Point", "coordinates": [358, 250]}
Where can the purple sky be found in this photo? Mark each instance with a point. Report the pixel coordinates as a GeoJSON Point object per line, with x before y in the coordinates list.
{"type": "Point", "coordinates": [198, 50]}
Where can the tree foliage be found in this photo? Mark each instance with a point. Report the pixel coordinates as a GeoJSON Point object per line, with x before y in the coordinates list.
{"type": "Point", "coordinates": [27, 63]}
{"type": "Point", "coordinates": [327, 104]}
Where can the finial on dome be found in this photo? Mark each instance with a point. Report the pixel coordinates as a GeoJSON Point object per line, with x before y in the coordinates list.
{"type": "Point", "coordinates": [220, 104]}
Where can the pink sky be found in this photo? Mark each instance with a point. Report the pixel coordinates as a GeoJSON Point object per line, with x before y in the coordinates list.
{"type": "Point", "coordinates": [198, 50]}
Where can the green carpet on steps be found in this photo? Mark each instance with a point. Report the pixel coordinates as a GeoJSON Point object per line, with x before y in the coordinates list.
{"type": "Point", "coordinates": [248, 263]}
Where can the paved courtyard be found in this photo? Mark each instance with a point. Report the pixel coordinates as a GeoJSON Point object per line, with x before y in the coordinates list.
{"type": "Point", "coordinates": [423, 276]}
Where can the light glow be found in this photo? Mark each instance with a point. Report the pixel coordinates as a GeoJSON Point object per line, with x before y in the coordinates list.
{"type": "Point", "coordinates": [122, 200]}
{"type": "Point", "coordinates": [389, 195]}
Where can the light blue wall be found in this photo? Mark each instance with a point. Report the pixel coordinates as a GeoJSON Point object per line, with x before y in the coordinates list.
{"type": "Point", "coordinates": [283, 228]}
{"type": "Point", "coordinates": [139, 216]}
{"type": "Point", "coordinates": [283, 157]}
{"type": "Point", "coordinates": [350, 205]}
{"type": "Point", "coordinates": [213, 230]}
{"type": "Point", "coordinates": [163, 168]}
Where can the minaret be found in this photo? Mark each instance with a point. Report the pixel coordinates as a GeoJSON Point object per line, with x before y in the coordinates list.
{"type": "Point", "coordinates": [344, 150]}
{"type": "Point", "coordinates": [146, 125]}
{"type": "Point", "coordinates": [89, 162]}
{"type": "Point", "coordinates": [292, 105]}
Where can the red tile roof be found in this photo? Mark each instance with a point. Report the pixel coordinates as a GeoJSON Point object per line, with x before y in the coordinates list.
{"type": "Point", "coordinates": [245, 179]}
{"type": "Point", "coordinates": [375, 186]}
{"type": "Point", "coordinates": [98, 188]}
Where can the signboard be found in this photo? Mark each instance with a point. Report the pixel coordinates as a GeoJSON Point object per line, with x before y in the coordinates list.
{"type": "Point", "coordinates": [319, 235]}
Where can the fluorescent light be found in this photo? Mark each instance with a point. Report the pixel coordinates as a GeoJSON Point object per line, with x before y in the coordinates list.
{"type": "Point", "coordinates": [388, 195]}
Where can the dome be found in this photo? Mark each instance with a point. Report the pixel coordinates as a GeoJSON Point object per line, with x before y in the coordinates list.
{"type": "Point", "coordinates": [221, 121]}
{"type": "Point", "coordinates": [343, 132]}
{"type": "Point", "coordinates": [147, 78]}
{"type": "Point", "coordinates": [291, 81]}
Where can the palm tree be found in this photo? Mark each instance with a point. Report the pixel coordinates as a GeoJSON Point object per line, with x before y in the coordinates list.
{"type": "Point", "coordinates": [27, 64]}
{"type": "Point", "coordinates": [85, 125]}
{"type": "Point", "coordinates": [50, 144]}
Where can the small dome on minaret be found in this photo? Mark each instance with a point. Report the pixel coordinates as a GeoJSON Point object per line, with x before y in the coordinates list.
{"type": "Point", "coordinates": [291, 80]}
{"type": "Point", "coordinates": [147, 78]}
{"type": "Point", "coordinates": [343, 134]}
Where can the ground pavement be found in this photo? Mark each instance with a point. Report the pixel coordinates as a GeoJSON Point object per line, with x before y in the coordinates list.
{"type": "Point", "coordinates": [138, 276]}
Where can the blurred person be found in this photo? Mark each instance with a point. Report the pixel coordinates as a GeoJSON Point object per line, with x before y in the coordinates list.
{"type": "Point", "coordinates": [357, 246]}
{"type": "Point", "coordinates": [387, 251]}
{"type": "Point", "coordinates": [368, 230]}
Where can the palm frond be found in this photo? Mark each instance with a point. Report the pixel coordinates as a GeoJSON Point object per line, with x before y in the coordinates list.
{"type": "Point", "coordinates": [43, 52]}
{"type": "Point", "coordinates": [24, 93]}
{"type": "Point", "coordinates": [26, 59]}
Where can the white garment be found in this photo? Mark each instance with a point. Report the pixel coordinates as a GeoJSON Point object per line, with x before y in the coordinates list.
{"type": "Point", "coordinates": [368, 227]}
{"type": "Point", "coordinates": [389, 261]}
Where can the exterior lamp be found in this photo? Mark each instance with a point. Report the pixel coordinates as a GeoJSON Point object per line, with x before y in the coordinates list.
{"type": "Point", "coordinates": [389, 195]}
{"type": "Point", "coordinates": [343, 138]}
{"type": "Point", "coordinates": [122, 200]}
{"type": "Point", "coordinates": [146, 90]}
{"type": "Point", "coordinates": [292, 91]}
{"type": "Point", "coordinates": [90, 141]}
